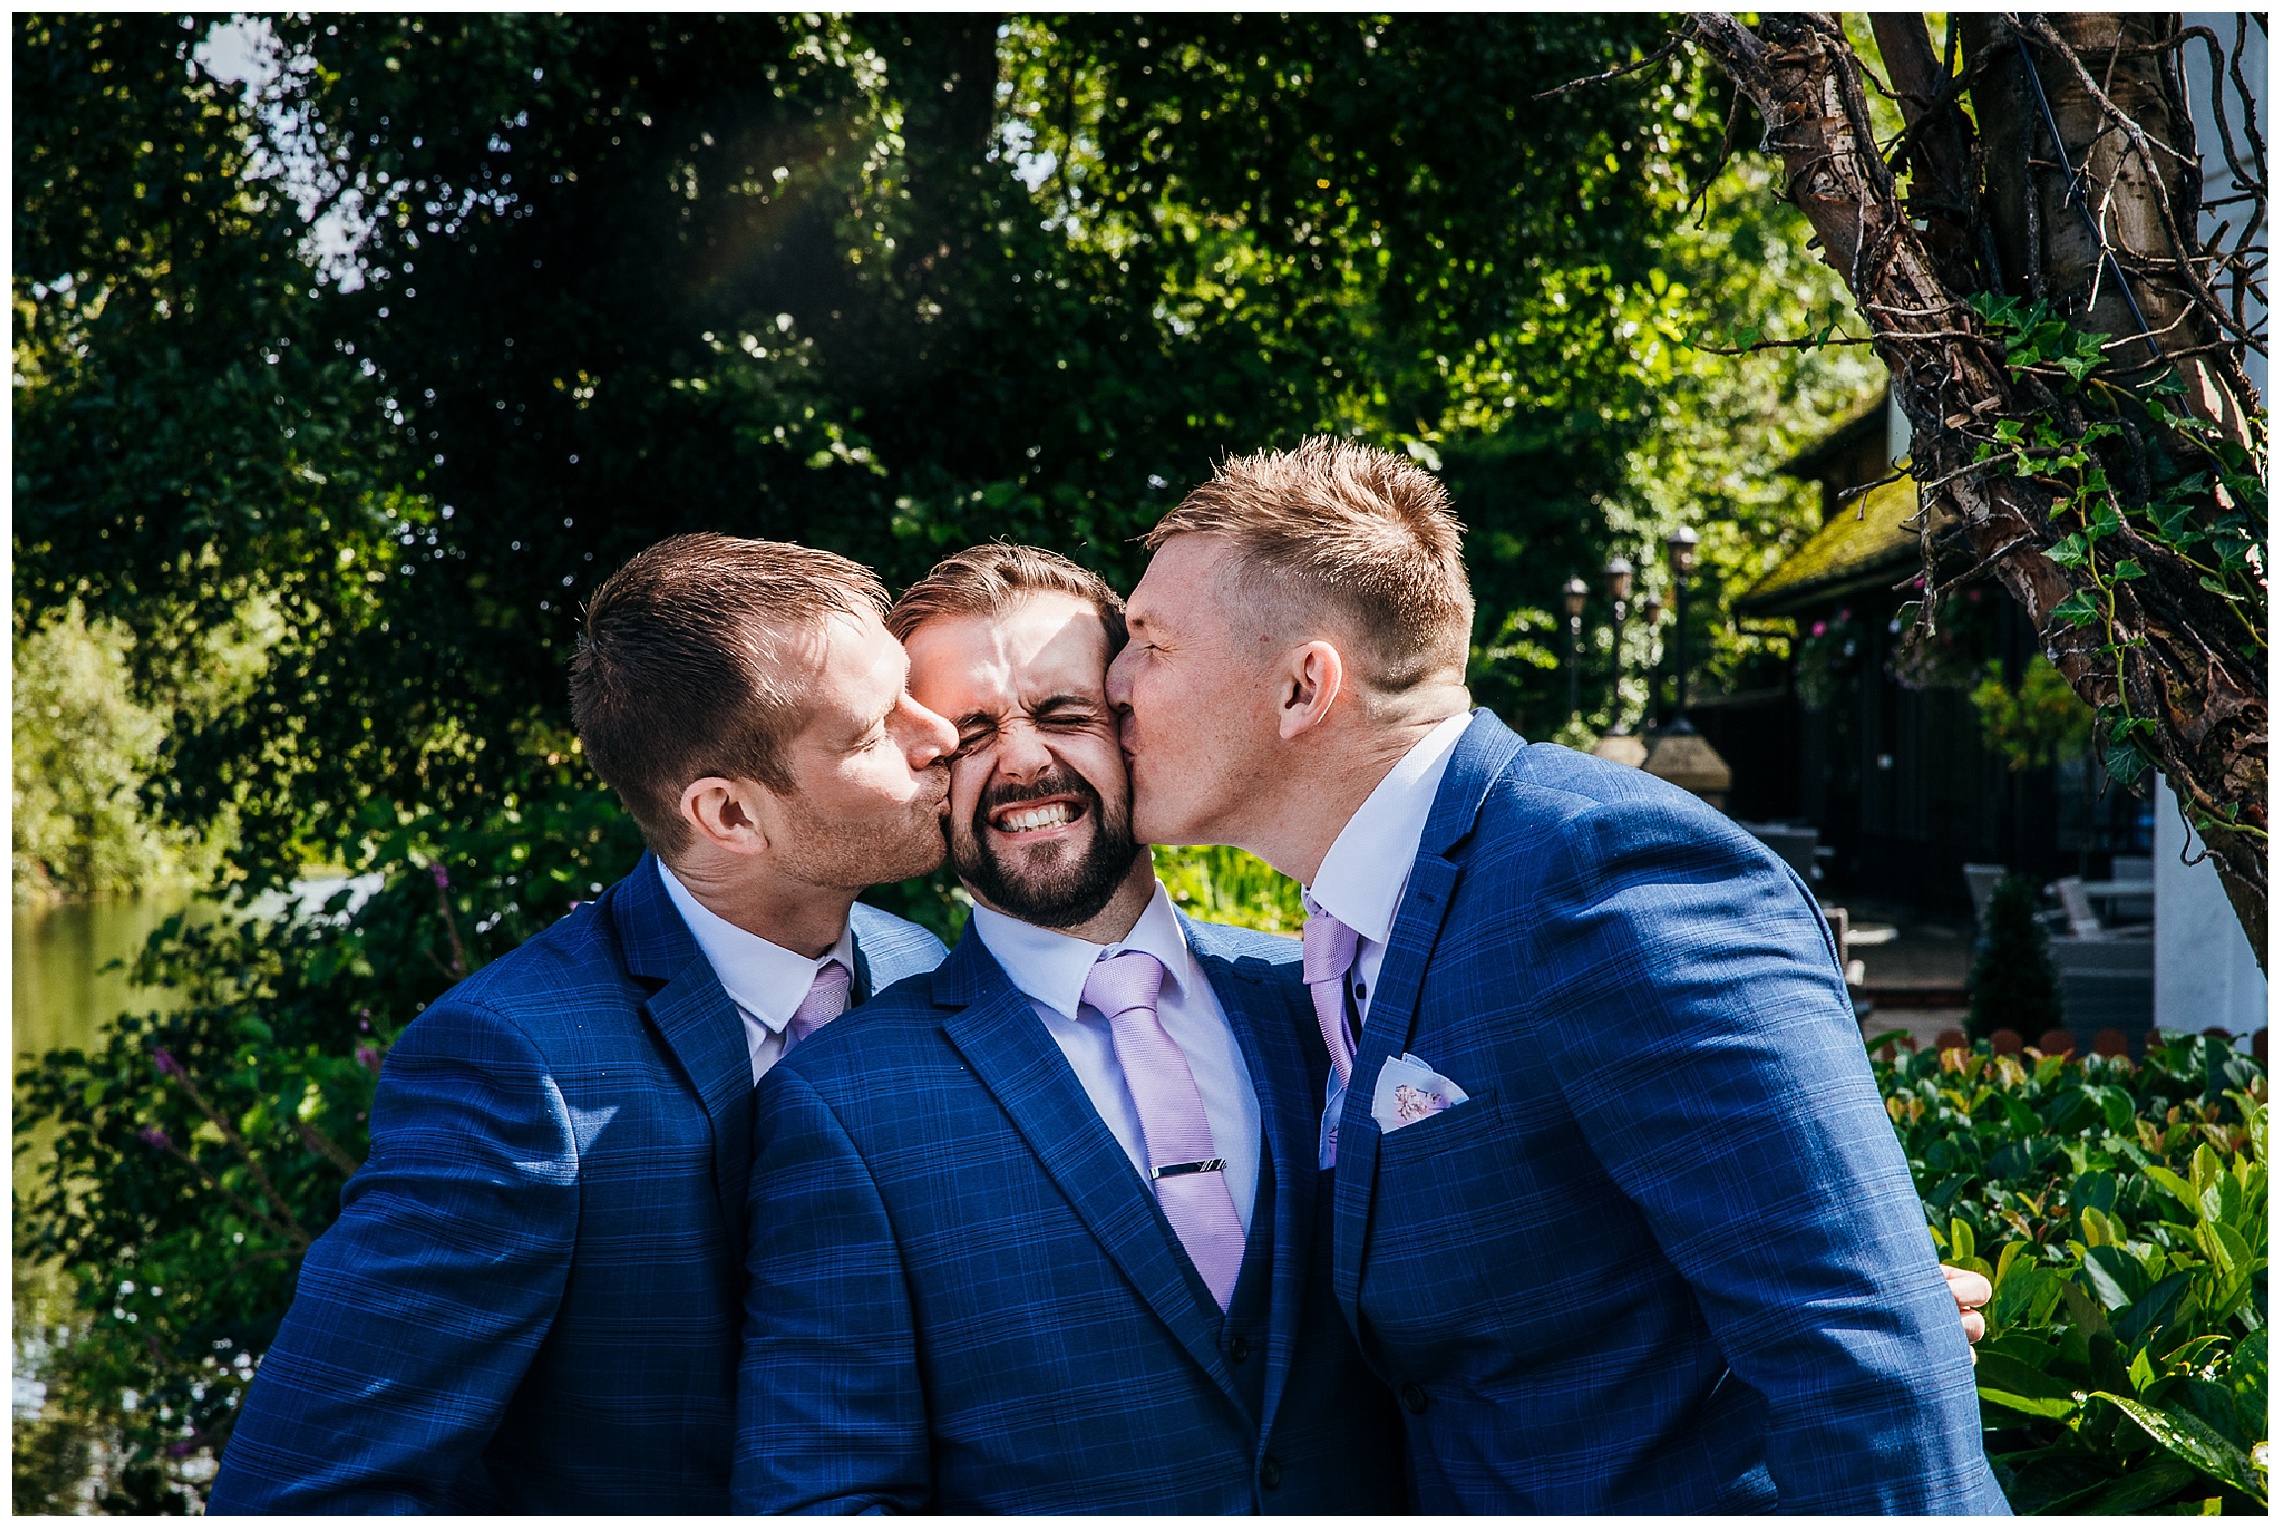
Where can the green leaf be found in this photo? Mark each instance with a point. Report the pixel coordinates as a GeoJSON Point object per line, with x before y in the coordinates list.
{"type": "Point", "coordinates": [2128, 568]}
{"type": "Point", "coordinates": [2188, 1439]}
{"type": "Point", "coordinates": [2141, 1372]}
{"type": "Point", "coordinates": [2080, 608]}
{"type": "Point", "coordinates": [2133, 1492]}
{"type": "Point", "coordinates": [2114, 1276]}
{"type": "Point", "coordinates": [2071, 552]}
{"type": "Point", "coordinates": [2207, 1169]}
{"type": "Point", "coordinates": [2007, 1382]}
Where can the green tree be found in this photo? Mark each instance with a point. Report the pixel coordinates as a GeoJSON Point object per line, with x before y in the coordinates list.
{"type": "Point", "coordinates": [416, 335]}
{"type": "Point", "coordinates": [2013, 984]}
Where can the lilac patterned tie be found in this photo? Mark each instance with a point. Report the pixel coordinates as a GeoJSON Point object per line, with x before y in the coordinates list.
{"type": "Point", "coordinates": [1326, 953]}
{"type": "Point", "coordinates": [1190, 1179]}
{"type": "Point", "coordinates": [826, 1000]}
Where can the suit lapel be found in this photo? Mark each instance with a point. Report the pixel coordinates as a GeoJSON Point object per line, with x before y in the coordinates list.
{"type": "Point", "coordinates": [1267, 1028]}
{"type": "Point", "coordinates": [698, 1023]}
{"type": "Point", "coordinates": [998, 1033]}
{"type": "Point", "coordinates": [1481, 755]}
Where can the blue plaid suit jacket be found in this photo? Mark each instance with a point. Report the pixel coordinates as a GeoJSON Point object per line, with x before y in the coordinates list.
{"type": "Point", "coordinates": [964, 1299]}
{"type": "Point", "coordinates": [531, 1300]}
{"type": "Point", "coordinates": [1668, 1259]}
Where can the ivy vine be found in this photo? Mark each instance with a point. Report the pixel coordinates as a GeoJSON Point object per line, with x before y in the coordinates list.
{"type": "Point", "coordinates": [2131, 465]}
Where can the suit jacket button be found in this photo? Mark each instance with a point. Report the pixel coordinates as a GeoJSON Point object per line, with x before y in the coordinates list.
{"type": "Point", "coordinates": [1413, 1399]}
{"type": "Point", "coordinates": [1239, 1349]}
{"type": "Point", "coordinates": [1270, 1472]}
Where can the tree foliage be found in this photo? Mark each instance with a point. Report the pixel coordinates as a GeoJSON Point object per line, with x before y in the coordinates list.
{"type": "Point", "coordinates": [396, 334]}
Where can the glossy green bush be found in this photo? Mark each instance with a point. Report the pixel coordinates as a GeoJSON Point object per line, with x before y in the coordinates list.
{"type": "Point", "coordinates": [2120, 1209]}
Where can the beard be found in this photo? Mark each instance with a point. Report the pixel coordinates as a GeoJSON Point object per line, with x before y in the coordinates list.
{"type": "Point", "coordinates": [1043, 886]}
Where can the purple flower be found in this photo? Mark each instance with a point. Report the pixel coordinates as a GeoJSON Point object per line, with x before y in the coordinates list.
{"type": "Point", "coordinates": [1820, 628]}
{"type": "Point", "coordinates": [155, 1137]}
{"type": "Point", "coordinates": [167, 1065]}
{"type": "Point", "coordinates": [181, 1450]}
{"type": "Point", "coordinates": [367, 1055]}
{"type": "Point", "coordinates": [442, 879]}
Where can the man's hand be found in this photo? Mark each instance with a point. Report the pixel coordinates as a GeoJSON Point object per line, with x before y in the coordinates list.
{"type": "Point", "coordinates": [1971, 1291]}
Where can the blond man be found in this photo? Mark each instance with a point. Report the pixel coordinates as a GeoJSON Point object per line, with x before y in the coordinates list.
{"type": "Point", "coordinates": [1619, 1215]}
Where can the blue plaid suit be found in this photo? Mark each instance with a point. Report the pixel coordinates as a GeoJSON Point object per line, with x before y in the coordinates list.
{"type": "Point", "coordinates": [1668, 1259]}
{"type": "Point", "coordinates": [964, 1299]}
{"type": "Point", "coordinates": [531, 1300]}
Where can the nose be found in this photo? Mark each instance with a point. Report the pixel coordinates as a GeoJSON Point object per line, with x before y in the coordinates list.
{"type": "Point", "coordinates": [1021, 751]}
{"type": "Point", "coordinates": [1119, 686]}
{"type": "Point", "coordinates": [926, 736]}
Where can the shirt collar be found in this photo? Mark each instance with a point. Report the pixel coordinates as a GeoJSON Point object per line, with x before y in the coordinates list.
{"type": "Point", "coordinates": [1362, 877]}
{"type": "Point", "coordinates": [764, 979]}
{"type": "Point", "coordinates": [1051, 966]}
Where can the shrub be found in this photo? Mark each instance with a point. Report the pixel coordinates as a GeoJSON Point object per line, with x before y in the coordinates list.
{"type": "Point", "coordinates": [2013, 983]}
{"type": "Point", "coordinates": [2120, 1210]}
{"type": "Point", "coordinates": [182, 1169]}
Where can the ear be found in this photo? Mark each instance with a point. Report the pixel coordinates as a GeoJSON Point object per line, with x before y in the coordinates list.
{"type": "Point", "coordinates": [726, 814]}
{"type": "Point", "coordinates": [1311, 679]}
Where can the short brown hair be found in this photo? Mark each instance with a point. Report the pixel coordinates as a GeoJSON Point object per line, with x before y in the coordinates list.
{"type": "Point", "coordinates": [689, 666]}
{"type": "Point", "coordinates": [1362, 531]}
{"type": "Point", "coordinates": [983, 580]}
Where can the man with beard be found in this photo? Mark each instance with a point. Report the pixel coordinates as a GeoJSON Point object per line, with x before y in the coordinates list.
{"type": "Point", "coordinates": [530, 1302]}
{"type": "Point", "coordinates": [1036, 1233]}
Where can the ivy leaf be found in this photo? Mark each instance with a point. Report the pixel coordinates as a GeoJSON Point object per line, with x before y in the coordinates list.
{"type": "Point", "coordinates": [2080, 608]}
{"type": "Point", "coordinates": [2071, 552]}
{"type": "Point", "coordinates": [2128, 568]}
{"type": "Point", "coordinates": [2125, 764]}
{"type": "Point", "coordinates": [2217, 589]}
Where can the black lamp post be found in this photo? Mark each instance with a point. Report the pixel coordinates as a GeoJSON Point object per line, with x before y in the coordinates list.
{"type": "Point", "coordinates": [1617, 578]}
{"type": "Point", "coordinates": [1574, 591]}
{"type": "Point", "coordinates": [1652, 608]}
{"type": "Point", "coordinates": [1682, 544]}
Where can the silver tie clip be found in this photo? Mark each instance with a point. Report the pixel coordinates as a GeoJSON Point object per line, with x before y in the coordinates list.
{"type": "Point", "coordinates": [1177, 1169]}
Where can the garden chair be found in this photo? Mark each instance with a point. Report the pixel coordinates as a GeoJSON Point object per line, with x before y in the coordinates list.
{"type": "Point", "coordinates": [2058, 1042]}
{"type": "Point", "coordinates": [2110, 1042]}
{"type": "Point", "coordinates": [2081, 922]}
{"type": "Point", "coordinates": [2006, 1042]}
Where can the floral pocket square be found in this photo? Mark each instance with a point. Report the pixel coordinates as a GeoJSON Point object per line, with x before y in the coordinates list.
{"type": "Point", "coordinates": [1408, 1090]}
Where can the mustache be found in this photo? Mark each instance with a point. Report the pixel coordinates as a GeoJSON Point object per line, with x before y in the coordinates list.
{"type": "Point", "coordinates": [1062, 782]}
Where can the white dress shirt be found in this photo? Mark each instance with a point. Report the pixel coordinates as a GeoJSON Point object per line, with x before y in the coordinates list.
{"type": "Point", "coordinates": [1050, 970]}
{"type": "Point", "coordinates": [1362, 878]}
{"type": "Point", "coordinates": [765, 981]}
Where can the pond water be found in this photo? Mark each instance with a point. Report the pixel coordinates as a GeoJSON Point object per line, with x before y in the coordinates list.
{"type": "Point", "coordinates": [64, 995]}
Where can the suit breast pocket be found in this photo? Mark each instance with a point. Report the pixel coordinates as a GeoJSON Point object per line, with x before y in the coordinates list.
{"type": "Point", "coordinates": [1479, 1118]}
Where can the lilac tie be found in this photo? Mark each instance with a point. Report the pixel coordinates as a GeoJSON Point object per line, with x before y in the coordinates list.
{"type": "Point", "coordinates": [1190, 1180]}
{"type": "Point", "coordinates": [1326, 953]}
{"type": "Point", "coordinates": [826, 1000]}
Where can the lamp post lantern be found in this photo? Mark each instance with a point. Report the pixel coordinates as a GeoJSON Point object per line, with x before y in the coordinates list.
{"type": "Point", "coordinates": [1652, 608]}
{"type": "Point", "coordinates": [1574, 592]}
{"type": "Point", "coordinates": [1617, 577]}
{"type": "Point", "coordinates": [1682, 544]}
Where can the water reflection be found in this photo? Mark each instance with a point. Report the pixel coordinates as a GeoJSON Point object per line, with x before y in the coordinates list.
{"type": "Point", "coordinates": [64, 995]}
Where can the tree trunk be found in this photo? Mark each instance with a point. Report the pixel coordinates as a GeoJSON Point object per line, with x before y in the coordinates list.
{"type": "Point", "coordinates": [2173, 657]}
